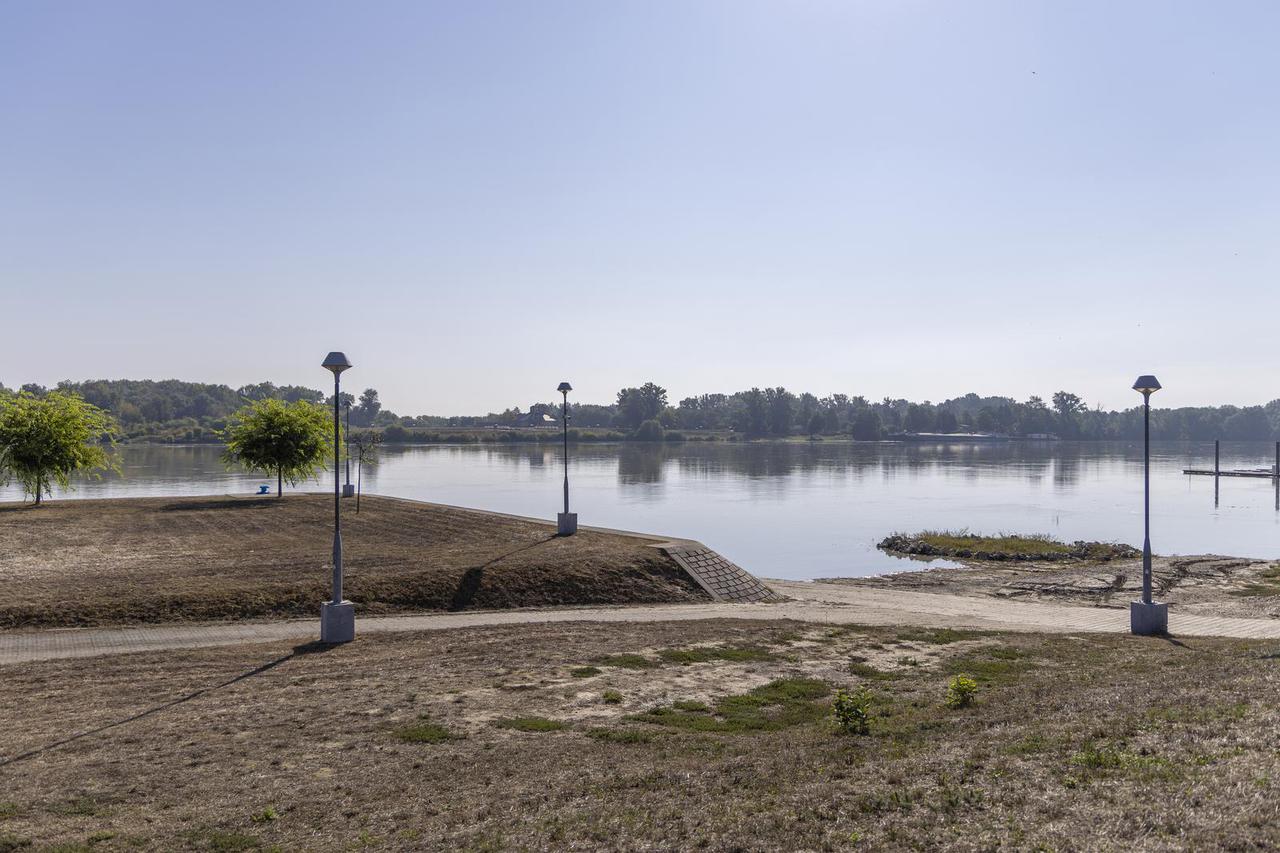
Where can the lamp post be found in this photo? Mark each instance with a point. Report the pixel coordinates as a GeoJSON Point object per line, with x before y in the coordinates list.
{"type": "Point", "coordinates": [338, 616]}
{"type": "Point", "coordinates": [1147, 616]}
{"type": "Point", "coordinates": [347, 489]}
{"type": "Point", "coordinates": [566, 522]}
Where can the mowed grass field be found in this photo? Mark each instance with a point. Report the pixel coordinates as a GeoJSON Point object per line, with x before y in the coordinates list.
{"type": "Point", "coordinates": [708, 735]}
{"type": "Point", "coordinates": [101, 562]}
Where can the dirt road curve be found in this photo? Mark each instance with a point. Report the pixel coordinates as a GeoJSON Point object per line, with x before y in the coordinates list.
{"type": "Point", "coordinates": [811, 602]}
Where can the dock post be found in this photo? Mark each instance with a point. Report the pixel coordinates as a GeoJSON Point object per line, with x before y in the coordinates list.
{"type": "Point", "coordinates": [1217, 465]}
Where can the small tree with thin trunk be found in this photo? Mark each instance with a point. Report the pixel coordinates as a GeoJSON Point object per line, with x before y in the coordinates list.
{"type": "Point", "coordinates": [366, 453]}
{"type": "Point", "coordinates": [45, 439]}
{"type": "Point", "coordinates": [291, 440]}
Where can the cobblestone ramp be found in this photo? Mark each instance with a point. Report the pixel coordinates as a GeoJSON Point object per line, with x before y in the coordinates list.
{"type": "Point", "coordinates": [723, 579]}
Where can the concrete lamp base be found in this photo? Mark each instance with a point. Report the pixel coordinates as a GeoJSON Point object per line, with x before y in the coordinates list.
{"type": "Point", "coordinates": [566, 523]}
{"type": "Point", "coordinates": [1148, 619]}
{"type": "Point", "coordinates": [337, 622]}
{"type": "Point", "coordinates": [348, 491]}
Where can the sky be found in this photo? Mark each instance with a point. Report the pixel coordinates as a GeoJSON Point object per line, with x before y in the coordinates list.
{"type": "Point", "coordinates": [478, 200]}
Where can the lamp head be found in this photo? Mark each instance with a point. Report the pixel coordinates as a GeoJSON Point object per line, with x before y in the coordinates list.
{"type": "Point", "coordinates": [564, 388]}
{"type": "Point", "coordinates": [336, 362]}
{"type": "Point", "coordinates": [1146, 385]}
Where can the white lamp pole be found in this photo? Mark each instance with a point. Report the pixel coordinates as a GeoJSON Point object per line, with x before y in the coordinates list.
{"type": "Point", "coordinates": [1146, 616]}
{"type": "Point", "coordinates": [338, 616]}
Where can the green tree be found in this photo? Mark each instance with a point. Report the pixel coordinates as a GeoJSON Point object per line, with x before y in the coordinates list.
{"type": "Point", "coordinates": [46, 439]}
{"type": "Point", "coordinates": [637, 405]}
{"type": "Point", "coordinates": [370, 405]}
{"type": "Point", "coordinates": [291, 439]}
{"type": "Point", "coordinates": [867, 426]}
{"type": "Point", "coordinates": [781, 403]}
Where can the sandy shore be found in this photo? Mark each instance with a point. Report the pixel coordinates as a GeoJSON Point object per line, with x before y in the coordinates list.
{"type": "Point", "coordinates": [1204, 584]}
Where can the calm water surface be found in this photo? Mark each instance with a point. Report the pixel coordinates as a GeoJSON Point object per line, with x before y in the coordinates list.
{"type": "Point", "coordinates": [803, 510]}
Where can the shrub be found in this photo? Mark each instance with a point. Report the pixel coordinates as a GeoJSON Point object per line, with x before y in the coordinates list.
{"type": "Point", "coordinates": [611, 697]}
{"type": "Point", "coordinates": [266, 815]}
{"type": "Point", "coordinates": [650, 430]}
{"type": "Point", "coordinates": [852, 711]}
{"type": "Point", "coordinates": [395, 434]}
{"type": "Point", "coordinates": [585, 671]}
{"type": "Point", "coordinates": [961, 691]}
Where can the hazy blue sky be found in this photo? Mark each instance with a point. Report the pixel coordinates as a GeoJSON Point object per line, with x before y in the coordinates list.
{"type": "Point", "coordinates": [476, 200]}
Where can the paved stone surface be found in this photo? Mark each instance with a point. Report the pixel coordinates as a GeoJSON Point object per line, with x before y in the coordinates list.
{"type": "Point", "coordinates": [720, 577]}
{"type": "Point", "coordinates": [809, 602]}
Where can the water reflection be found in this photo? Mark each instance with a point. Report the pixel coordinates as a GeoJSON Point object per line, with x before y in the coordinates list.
{"type": "Point", "coordinates": [801, 509]}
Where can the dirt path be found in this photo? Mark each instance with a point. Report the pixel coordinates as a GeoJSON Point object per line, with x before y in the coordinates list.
{"type": "Point", "coordinates": [811, 602]}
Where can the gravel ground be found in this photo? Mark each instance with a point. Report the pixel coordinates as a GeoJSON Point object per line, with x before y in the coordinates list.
{"type": "Point", "coordinates": [696, 735]}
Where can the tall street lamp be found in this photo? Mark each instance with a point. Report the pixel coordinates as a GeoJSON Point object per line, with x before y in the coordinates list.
{"type": "Point", "coordinates": [337, 617]}
{"type": "Point", "coordinates": [1146, 616]}
{"type": "Point", "coordinates": [347, 489]}
{"type": "Point", "coordinates": [566, 522]}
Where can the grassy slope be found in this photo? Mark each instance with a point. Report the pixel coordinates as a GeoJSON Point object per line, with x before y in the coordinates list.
{"type": "Point", "coordinates": [167, 559]}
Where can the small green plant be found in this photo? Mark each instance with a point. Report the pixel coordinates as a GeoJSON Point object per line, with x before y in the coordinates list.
{"type": "Point", "coordinates": [13, 842]}
{"type": "Point", "coordinates": [585, 671]}
{"type": "Point", "coordinates": [690, 705]}
{"type": "Point", "coordinates": [266, 815]}
{"type": "Point", "coordinates": [8, 810]}
{"type": "Point", "coordinates": [531, 724]}
{"type": "Point", "coordinates": [611, 697]}
{"type": "Point", "coordinates": [852, 709]}
{"type": "Point", "coordinates": [424, 731]}
{"type": "Point", "coordinates": [961, 691]}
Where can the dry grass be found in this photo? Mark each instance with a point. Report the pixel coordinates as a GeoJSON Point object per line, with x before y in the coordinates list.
{"type": "Point", "coordinates": [96, 562]}
{"type": "Point", "coordinates": [407, 742]}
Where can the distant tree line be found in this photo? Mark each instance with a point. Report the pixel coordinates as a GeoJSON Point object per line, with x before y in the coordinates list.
{"type": "Point", "coordinates": [171, 410]}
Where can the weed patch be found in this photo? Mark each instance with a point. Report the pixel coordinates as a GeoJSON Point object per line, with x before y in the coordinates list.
{"type": "Point", "coordinates": [424, 731]}
{"type": "Point", "coordinates": [1111, 757]}
{"type": "Point", "coordinates": [737, 654]}
{"type": "Point", "coordinates": [776, 705]}
{"type": "Point", "coordinates": [937, 636]}
{"type": "Point", "coordinates": [585, 671]}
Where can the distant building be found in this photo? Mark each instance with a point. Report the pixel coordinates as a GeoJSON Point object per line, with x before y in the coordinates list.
{"type": "Point", "coordinates": [543, 421]}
